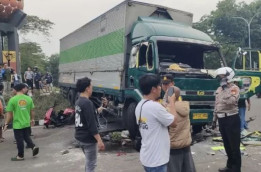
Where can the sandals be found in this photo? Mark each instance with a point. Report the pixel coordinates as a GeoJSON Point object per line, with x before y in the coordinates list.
{"type": "Point", "coordinates": [17, 158]}
{"type": "Point", "coordinates": [35, 151]}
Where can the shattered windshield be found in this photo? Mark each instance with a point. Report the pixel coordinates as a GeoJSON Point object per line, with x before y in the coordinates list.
{"type": "Point", "coordinates": [188, 55]}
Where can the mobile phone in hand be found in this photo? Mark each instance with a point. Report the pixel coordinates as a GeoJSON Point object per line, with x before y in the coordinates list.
{"type": "Point", "coordinates": [170, 91]}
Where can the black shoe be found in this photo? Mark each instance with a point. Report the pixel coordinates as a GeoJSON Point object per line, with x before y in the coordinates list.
{"type": "Point", "coordinates": [225, 169]}
{"type": "Point", "coordinates": [35, 151]}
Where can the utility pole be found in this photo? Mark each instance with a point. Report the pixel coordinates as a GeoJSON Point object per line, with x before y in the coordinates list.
{"type": "Point", "coordinates": [248, 22]}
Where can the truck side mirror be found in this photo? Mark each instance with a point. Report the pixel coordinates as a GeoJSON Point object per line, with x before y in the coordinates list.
{"type": "Point", "coordinates": [134, 51]}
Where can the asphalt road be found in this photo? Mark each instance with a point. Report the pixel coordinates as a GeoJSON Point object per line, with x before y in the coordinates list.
{"type": "Point", "coordinates": [116, 158]}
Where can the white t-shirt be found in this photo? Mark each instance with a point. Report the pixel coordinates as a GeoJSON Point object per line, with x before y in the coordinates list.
{"type": "Point", "coordinates": [155, 120]}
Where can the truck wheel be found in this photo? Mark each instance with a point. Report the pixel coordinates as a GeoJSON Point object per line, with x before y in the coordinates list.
{"type": "Point", "coordinates": [196, 129]}
{"type": "Point", "coordinates": [77, 95]}
{"type": "Point", "coordinates": [71, 97]}
{"type": "Point", "coordinates": [131, 120]}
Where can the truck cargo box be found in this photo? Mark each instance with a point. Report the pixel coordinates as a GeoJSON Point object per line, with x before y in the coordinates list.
{"type": "Point", "coordinates": [98, 49]}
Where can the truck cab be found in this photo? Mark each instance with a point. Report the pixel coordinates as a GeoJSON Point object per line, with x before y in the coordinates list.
{"type": "Point", "coordinates": [161, 46]}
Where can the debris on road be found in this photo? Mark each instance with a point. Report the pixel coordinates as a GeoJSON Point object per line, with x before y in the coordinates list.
{"type": "Point", "coordinates": [216, 148]}
{"type": "Point", "coordinates": [250, 119]}
{"type": "Point", "coordinates": [63, 152]}
{"type": "Point", "coordinates": [121, 153]}
{"type": "Point", "coordinates": [211, 153]}
{"type": "Point", "coordinates": [252, 138]}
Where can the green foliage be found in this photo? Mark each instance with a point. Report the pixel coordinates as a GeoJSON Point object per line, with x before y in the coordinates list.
{"type": "Point", "coordinates": [52, 66]}
{"type": "Point", "coordinates": [37, 25]}
{"type": "Point", "coordinates": [32, 55]}
{"type": "Point", "coordinates": [232, 32]}
{"type": "Point", "coordinates": [43, 103]}
{"type": "Point", "coordinates": [31, 52]}
{"type": "Point", "coordinates": [115, 136]}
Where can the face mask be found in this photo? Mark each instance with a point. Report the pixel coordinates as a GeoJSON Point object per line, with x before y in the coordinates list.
{"type": "Point", "coordinates": [223, 83]}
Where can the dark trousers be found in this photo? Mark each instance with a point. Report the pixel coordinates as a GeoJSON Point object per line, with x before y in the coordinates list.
{"type": "Point", "coordinates": [230, 131]}
{"type": "Point", "coordinates": [30, 83]}
{"type": "Point", "coordinates": [181, 160]}
{"type": "Point", "coordinates": [22, 135]}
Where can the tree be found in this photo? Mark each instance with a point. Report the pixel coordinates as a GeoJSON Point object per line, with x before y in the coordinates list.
{"type": "Point", "coordinates": [230, 32]}
{"type": "Point", "coordinates": [32, 55]}
{"type": "Point", "coordinates": [37, 25]}
{"type": "Point", "coordinates": [52, 66]}
{"type": "Point", "coordinates": [31, 52]}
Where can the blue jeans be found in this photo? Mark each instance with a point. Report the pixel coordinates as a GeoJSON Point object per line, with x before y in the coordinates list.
{"type": "Point", "coordinates": [90, 151]}
{"type": "Point", "coordinates": [242, 114]}
{"type": "Point", "coordinates": [162, 168]}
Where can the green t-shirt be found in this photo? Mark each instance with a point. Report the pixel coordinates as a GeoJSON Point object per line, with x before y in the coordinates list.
{"type": "Point", "coordinates": [21, 106]}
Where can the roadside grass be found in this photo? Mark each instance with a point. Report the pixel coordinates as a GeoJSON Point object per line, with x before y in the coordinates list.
{"type": "Point", "coordinates": [43, 102]}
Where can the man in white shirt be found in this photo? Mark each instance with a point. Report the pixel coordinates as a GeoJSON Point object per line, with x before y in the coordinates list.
{"type": "Point", "coordinates": [153, 120]}
{"type": "Point", "coordinates": [28, 77]}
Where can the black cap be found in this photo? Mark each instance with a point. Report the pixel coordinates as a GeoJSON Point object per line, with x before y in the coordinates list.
{"type": "Point", "coordinates": [20, 86]}
{"type": "Point", "coordinates": [166, 79]}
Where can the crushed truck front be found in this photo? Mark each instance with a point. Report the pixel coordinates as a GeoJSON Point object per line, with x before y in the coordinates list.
{"type": "Point", "coordinates": [189, 55]}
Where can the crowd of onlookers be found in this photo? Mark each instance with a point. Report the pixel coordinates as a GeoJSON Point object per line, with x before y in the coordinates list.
{"type": "Point", "coordinates": [34, 79]}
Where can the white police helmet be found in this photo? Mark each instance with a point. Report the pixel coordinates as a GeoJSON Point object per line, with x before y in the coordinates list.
{"type": "Point", "coordinates": [227, 71]}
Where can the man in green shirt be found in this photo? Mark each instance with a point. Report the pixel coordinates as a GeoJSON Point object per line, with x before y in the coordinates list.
{"type": "Point", "coordinates": [20, 109]}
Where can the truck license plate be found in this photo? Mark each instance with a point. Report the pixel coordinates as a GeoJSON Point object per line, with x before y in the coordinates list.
{"type": "Point", "coordinates": [200, 116]}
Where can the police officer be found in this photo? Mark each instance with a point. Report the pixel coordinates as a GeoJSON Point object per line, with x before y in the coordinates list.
{"type": "Point", "coordinates": [37, 78]}
{"type": "Point", "coordinates": [226, 111]}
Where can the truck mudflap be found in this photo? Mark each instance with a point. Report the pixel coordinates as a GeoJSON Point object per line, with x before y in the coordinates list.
{"type": "Point", "coordinates": [201, 116]}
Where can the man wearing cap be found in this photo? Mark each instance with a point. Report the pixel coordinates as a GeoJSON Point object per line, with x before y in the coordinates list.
{"type": "Point", "coordinates": [167, 81]}
{"type": "Point", "coordinates": [226, 111]}
{"type": "Point", "coordinates": [20, 110]}
{"type": "Point", "coordinates": [180, 136]}
{"type": "Point", "coordinates": [37, 78]}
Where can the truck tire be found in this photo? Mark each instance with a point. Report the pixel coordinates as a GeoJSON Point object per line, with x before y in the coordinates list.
{"type": "Point", "coordinates": [196, 129]}
{"type": "Point", "coordinates": [131, 120]}
{"type": "Point", "coordinates": [77, 95]}
{"type": "Point", "coordinates": [71, 97]}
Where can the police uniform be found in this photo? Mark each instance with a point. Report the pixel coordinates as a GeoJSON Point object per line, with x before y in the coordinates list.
{"type": "Point", "coordinates": [226, 111]}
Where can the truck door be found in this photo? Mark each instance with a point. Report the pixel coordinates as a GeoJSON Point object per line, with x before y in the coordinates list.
{"type": "Point", "coordinates": [142, 61]}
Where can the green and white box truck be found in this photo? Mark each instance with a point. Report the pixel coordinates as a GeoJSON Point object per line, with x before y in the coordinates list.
{"type": "Point", "coordinates": [132, 39]}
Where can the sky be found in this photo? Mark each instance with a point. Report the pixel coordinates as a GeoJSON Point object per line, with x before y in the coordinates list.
{"type": "Point", "coordinates": [68, 15]}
